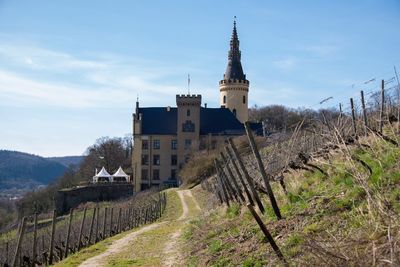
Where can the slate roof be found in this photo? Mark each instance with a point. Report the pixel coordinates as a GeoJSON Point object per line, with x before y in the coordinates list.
{"type": "Point", "coordinates": [160, 121]}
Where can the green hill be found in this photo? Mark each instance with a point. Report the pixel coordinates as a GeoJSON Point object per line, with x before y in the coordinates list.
{"type": "Point", "coordinates": [26, 171]}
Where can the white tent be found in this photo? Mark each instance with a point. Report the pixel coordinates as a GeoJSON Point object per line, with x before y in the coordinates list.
{"type": "Point", "coordinates": [103, 175]}
{"type": "Point", "coordinates": [120, 175]}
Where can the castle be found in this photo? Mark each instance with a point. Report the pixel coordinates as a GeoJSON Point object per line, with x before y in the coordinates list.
{"type": "Point", "coordinates": [164, 137]}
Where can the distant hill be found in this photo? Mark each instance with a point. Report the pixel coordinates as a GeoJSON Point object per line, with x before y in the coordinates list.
{"type": "Point", "coordinates": [68, 160]}
{"type": "Point", "coordinates": [26, 171]}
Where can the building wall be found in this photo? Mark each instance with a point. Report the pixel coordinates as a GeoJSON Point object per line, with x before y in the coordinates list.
{"type": "Point", "coordinates": [233, 92]}
{"type": "Point", "coordinates": [71, 198]}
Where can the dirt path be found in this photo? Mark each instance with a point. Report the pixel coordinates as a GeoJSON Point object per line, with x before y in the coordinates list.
{"type": "Point", "coordinates": [116, 246]}
{"type": "Point", "coordinates": [170, 245]}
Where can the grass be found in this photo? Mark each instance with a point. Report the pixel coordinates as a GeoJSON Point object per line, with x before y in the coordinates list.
{"type": "Point", "coordinates": [122, 259]}
{"type": "Point", "coordinates": [323, 214]}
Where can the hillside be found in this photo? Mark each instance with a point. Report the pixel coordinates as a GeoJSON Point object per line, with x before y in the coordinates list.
{"type": "Point", "coordinates": [346, 215]}
{"type": "Point", "coordinates": [67, 160]}
{"type": "Point", "coordinates": [26, 171]}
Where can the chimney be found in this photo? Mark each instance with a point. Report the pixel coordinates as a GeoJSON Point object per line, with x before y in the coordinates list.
{"type": "Point", "coordinates": [205, 105]}
{"type": "Point", "coordinates": [168, 108]}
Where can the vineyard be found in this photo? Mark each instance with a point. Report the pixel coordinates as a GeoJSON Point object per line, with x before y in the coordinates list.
{"type": "Point", "coordinates": [253, 172]}
{"type": "Point", "coordinates": [44, 243]}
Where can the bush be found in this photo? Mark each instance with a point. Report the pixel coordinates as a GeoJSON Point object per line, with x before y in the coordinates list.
{"type": "Point", "coordinates": [199, 167]}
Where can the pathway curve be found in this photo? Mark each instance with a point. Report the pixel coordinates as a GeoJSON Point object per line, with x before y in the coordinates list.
{"type": "Point", "coordinates": [170, 251]}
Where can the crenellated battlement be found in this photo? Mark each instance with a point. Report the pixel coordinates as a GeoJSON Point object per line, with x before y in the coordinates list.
{"type": "Point", "coordinates": [184, 100]}
{"type": "Point", "coordinates": [234, 81]}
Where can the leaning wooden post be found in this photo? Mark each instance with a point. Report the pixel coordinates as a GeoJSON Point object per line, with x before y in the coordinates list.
{"type": "Point", "coordinates": [71, 214]}
{"type": "Point", "coordinates": [91, 225]}
{"type": "Point", "coordinates": [239, 175]}
{"type": "Point", "coordinates": [230, 174]}
{"type": "Point", "coordinates": [262, 171]}
{"type": "Point", "coordinates": [19, 242]}
{"type": "Point", "coordinates": [364, 113]}
{"type": "Point", "coordinates": [246, 176]}
{"type": "Point", "coordinates": [221, 184]}
{"type": "Point", "coordinates": [53, 232]}
{"type": "Point", "coordinates": [267, 235]}
{"type": "Point", "coordinates": [382, 106]}
{"type": "Point", "coordinates": [34, 243]}
{"type": "Point", "coordinates": [81, 229]}
{"type": "Point", "coordinates": [353, 116]}
{"type": "Point", "coordinates": [231, 191]}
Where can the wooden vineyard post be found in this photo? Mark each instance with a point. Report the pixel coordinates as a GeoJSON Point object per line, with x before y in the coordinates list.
{"type": "Point", "coordinates": [91, 225]}
{"type": "Point", "coordinates": [221, 184]}
{"type": "Point", "coordinates": [34, 242]}
{"type": "Point", "coordinates": [71, 214]}
{"type": "Point", "coordinates": [111, 221]}
{"type": "Point", "coordinates": [353, 116]}
{"type": "Point", "coordinates": [119, 221]}
{"type": "Point", "coordinates": [239, 175]}
{"type": "Point", "coordinates": [105, 223]}
{"type": "Point", "coordinates": [267, 235]}
{"type": "Point", "coordinates": [19, 242]}
{"type": "Point", "coordinates": [230, 174]}
{"type": "Point", "coordinates": [262, 171]}
{"type": "Point", "coordinates": [53, 232]}
{"type": "Point", "coordinates": [96, 239]}
{"type": "Point", "coordinates": [382, 106]}
{"type": "Point", "coordinates": [81, 229]}
{"type": "Point", "coordinates": [231, 191]}
{"type": "Point", "coordinates": [364, 113]}
{"type": "Point", "coordinates": [246, 176]}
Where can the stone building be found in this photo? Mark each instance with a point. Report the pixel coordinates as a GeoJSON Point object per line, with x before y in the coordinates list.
{"type": "Point", "coordinates": [164, 137]}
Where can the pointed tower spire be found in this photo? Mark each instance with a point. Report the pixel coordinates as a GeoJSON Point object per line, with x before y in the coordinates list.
{"type": "Point", "coordinates": [234, 87]}
{"type": "Point", "coordinates": [234, 69]}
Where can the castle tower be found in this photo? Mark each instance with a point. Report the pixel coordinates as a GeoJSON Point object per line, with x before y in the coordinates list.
{"type": "Point", "coordinates": [188, 125]}
{"type": "Point", "coordinates": [234, 87]}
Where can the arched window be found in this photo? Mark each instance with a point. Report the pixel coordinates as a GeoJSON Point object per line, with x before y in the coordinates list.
{"type": "Point", "coordinates": [224, 99]}
{"type": "Point", "coordinates": [188, 112]}
{"type": "Point", "coordinates": [244, 99]}
{"type": "Point", "coordinates": [234, 112]}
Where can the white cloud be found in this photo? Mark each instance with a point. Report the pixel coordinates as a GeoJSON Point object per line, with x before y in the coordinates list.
{"type": "Point", "coordinates": [34, 76]}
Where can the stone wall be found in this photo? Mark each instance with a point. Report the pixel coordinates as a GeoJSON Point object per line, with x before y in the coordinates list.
{"type": "Point", "coordinates": [71, 197]}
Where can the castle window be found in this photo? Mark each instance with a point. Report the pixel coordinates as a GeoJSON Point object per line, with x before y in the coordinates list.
{"type": "Point", "coordinates": [156, 144]}
{"type": "Point", "coordinates": [156, 159]}
{"type": "Point", "coordinates": [224, 99]}
{"type": "Point", "coordinates": [174, 144]}
{"type": "Point", "coordinates": [188, 112]}
{"type": "Point", "coordinates": [173, 174]}
{"type": "Point", "coordinates": [174, 160]}
{"type": "Point", "coordinates": [145, 159]}
{"type": "Point", "coordinates": [234, 112]}
{"type": "Point", "coordinates": [156, 174]}
{"type": "Point", "coordinates": [244, 99]}
{"type": "Point", "coordinates": [145, 174]}
{"type": "Point", "coordinates": [188, 144]}
{"type": "Point", "coordinates": [145, 144]}
{"type": "Point", "coordinates": [188, 126]}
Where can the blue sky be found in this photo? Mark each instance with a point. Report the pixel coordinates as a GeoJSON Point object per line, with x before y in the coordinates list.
{"type": "Point", "coordinates": [70, 71]}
